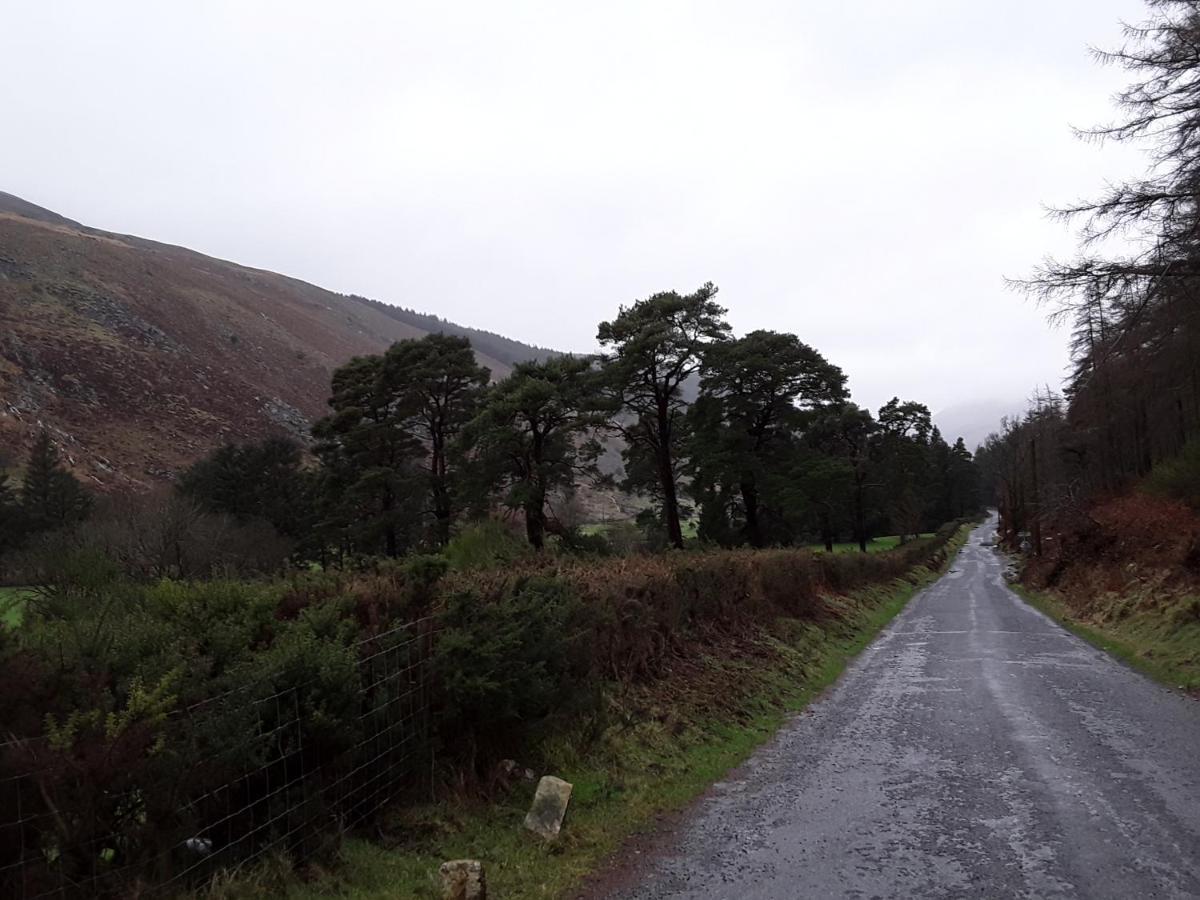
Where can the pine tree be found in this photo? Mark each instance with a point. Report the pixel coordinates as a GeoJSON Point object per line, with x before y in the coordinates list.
{"type": "Point", "coordinates": [385, 450]}
{"type": "Point", "coordinates": [437, 385]}
{"type": "Point", "coordinates": [902, 454]}
{"type": "Point", "coordinates": [369, 483]}
{"type": "Point", "coordinates": [766, 386]}
{"type": "Point", "coordinates": [12, 519]}
{"type": "Point", "coordinates": [848, 436]}
{"type": "Point", "coordinates": [51, 497]}
{"type": "Point", "coordinates": [265, 480]}
{"type": "Point", "coordinates": [533, 436]}
{"type": "Point", "coordinates": [654, 347]}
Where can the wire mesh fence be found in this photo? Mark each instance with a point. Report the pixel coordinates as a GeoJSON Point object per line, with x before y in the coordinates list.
{"type": "Point", "coordinates": [268, 770]}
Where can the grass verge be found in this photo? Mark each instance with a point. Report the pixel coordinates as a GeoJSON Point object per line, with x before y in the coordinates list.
{"type": "Point", "coordinates": [874, 545]}
{"type": "Point", "coordinates": [1160, 640]}
{"type": "Point", "coordinates": [12, 605]}
{"type": "Point", "coordinates": [663, 744]}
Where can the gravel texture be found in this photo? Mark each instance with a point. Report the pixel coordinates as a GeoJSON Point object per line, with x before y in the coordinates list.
{"type": "Point", "coordinates": [976, 749]}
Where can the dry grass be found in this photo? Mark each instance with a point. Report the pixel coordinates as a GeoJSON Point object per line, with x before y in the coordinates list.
{"type": "Point", "coordinates": [645, 609]}
{"type": "Point", "coordinates": [1127, 577]}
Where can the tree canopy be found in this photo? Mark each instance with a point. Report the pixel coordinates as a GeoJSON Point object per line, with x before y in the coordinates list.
{"type": "Point", "coordinates": [757, 393]}
{"type": "Point", "coordinates": [1133, 397]}
{"type": "Point", "coordinates": [51, 497]}
{"type": "Point", "coordinates": [535, 435]}
{"type": "Point", "coordinates": [757, 431]}
{"type": "Point", "coordinates": [652, 349]}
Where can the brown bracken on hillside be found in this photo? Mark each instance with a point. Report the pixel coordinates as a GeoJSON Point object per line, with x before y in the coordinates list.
{"type": "Point", "coordinates": [141, 357]}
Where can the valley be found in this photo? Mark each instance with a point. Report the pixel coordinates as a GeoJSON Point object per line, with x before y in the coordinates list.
{"type": "Point", "coordinates": [820, 518]}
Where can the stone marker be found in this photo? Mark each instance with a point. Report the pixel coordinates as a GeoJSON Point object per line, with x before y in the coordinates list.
{"type": "Point", "coordinates": [462, 879]}
{"type": "Point", "coordinates": [545, 816]}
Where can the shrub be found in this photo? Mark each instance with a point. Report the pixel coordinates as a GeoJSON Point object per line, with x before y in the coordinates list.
{"type": "Point", "coordinates": [160, 535]}
{"type": "Point", "coordinates": [619, 539]}
{"type": "Point", "coordinates": [423, 574]}
{"type": "Point", "coordinates": [505, 660]}
{"type": "Point", "coordinates": [713, 587]}
{"type": "Point", "coordinates": [484, 544]}
{"type": "Point", "coordinates": [791, 580]}
{"type": "Point", "coordinates": [397, 591]}
{"type": "Point", "coordinates": [159, 710]}
{"type": "Point", "coordinates": [151, 712]}
{"type": "Point", "coordinates": [590, 543]}
{"type": "Point", "coordinates": [1178, 478]}
{"type": "Point", "coordinates": [314, 658]}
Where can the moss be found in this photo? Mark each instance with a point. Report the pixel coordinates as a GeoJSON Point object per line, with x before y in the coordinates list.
{"type": "Point", "coordinates": [12, 605]}
{"type": "Point", "coordinates": [1159, 636]}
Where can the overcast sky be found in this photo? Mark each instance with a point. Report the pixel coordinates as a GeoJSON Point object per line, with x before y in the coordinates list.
{"type": "Point", "coordinates": [862, 174]}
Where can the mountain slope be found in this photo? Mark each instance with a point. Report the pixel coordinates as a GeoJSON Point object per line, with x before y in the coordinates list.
{"type": "Point", "coordinates": [974, 421]}
{"type": "Point", "coordinates": [141, 357]}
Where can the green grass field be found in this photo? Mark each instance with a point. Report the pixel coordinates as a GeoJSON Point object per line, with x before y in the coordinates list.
{"type": "Point", "coordinates": [688, 526]}
{"type": "Point", "coordinates": [875, 545]}
{"type": "Point", "coordinates": [601, 527]}
{"type": "Point", "coordinates": [12, 605]}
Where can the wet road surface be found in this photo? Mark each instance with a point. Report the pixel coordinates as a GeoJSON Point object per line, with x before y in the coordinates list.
{"type": "Point", "coordinates": [976, 749]}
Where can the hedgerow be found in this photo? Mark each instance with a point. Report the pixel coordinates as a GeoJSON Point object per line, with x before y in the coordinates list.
{"type": "Point", "coordinates": [136, 715]}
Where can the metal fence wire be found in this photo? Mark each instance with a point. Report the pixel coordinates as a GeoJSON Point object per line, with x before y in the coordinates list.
{"type": "Point", "coordinates": [273, 774]}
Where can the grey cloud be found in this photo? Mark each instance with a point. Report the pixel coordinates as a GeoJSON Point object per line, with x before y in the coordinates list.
{"type": "Point", "coordinates": [862, 174]}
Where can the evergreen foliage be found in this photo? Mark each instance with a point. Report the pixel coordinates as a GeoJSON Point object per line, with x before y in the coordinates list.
{"type": "Point", "coordinates": [757, 430]}
{"type": "Point", "coordinates": [758, 393]}
{"type": "Point", "coordinates": [435, 386]}
{"type": "Point", "coordinates": [12, 516]}
{"type": "Point", "coordinates": [51, 497]}
{"type": "Point", "coordinates": [508, 662]}
{"type": "Point", "coordinates": [534, 436]}
{"type": "Point", "coordinates": [264, 481]}
{"type": "Point", "coordinates": [389, 478]}
{"type": "Point", "coordinates": [653, 348]}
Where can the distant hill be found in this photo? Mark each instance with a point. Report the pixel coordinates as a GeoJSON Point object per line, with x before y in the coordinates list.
{"type": "Point", "coordinates": [487, 343]}
{"type": "Point", "coordinates": [973, 422]}
{"type": "Point", "coordinates": [18, 207]}
{"type": "Point", "coordinates": [141, 357]}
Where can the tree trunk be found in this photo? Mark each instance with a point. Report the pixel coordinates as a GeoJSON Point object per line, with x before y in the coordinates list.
{"type": "Point", "coordinates": [671, 507]}
{"type": "Point", "coordinates": [1146, 455]}
{"type": "Point", "coordinates": [441, 526]}
{"type": "Point", "coordinates": [391, 544]}
{"type": "Point", "coordinates": [1036, 512]}
{"type": "Point", "coordinates": [535, 519]}
{"type": "Point", "coordinates": [860, 524]}
{"type": "Point", "coordinates": [666, 477]}
{"type": "Point", "coordinates": [750, 502]}
{"type": "Point", "coordinates": [440, 491]}
{"type": "Point", "coordinates": [827, 531]}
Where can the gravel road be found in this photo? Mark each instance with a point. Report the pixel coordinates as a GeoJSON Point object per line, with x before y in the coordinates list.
{"type": "Point", "coordinates": [976, 749]}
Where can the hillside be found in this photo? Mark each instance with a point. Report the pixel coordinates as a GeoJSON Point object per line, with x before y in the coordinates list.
{"type": "Point", "coordinates": [141, 357]}
{"type": "Point", "coordinates": [974, 421]}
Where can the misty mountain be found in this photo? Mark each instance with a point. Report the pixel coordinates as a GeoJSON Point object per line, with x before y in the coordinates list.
{"type": "Point", "coordinates": [974, 421]}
